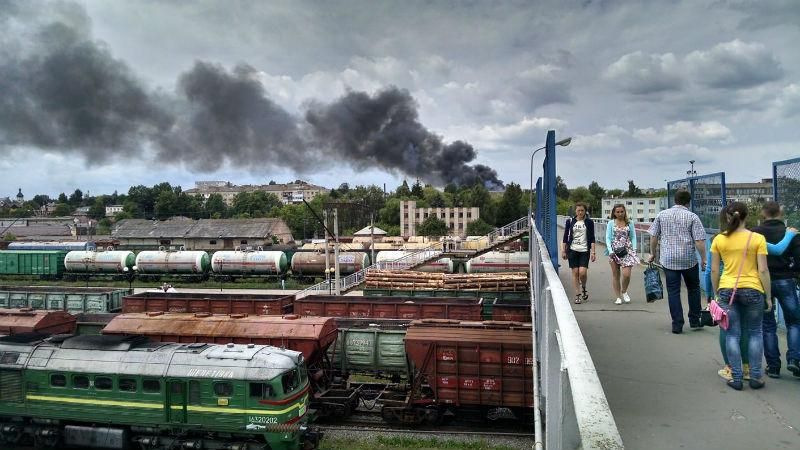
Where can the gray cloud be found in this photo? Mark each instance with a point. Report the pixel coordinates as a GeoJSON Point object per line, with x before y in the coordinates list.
{"type": "Point", "coordinates": [642, 74]}
{"type": "Point", "coordinates": [767, 14]}
{"type": "Point", "coordinates": [734, 65]}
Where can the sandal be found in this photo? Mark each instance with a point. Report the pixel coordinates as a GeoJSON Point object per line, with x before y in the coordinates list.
{"type": "Point", "coordinates": [585, 295]}
{"type": "Point", "coordinates": [578, 300]}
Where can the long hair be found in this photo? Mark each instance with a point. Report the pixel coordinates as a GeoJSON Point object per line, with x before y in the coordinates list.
{"type": "Point", "coordinates": [731, 217]}
{"type": "Point", "coordinates": [624, 216]}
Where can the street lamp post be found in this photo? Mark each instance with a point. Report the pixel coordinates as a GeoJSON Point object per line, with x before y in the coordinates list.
{"type": "Point", "coordinates": [691, 172]}
{"type": "Point", "coordinates": [562, 143]}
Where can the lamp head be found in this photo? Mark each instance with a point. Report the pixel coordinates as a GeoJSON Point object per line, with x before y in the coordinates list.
{"type": "Point", "coordinates": [564, 142]}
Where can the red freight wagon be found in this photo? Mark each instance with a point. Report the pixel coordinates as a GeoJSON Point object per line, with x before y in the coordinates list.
{"type": "Point", "coordinates": [389, 307]}
{"type": "Point", "coordinates": [188, 302]}
{"type": "Point", "coordinates": [310, 335]}
{"type": "Point", "coordinates": [480, 364]}
{"type": "Point", "coordinates": [26, 320]}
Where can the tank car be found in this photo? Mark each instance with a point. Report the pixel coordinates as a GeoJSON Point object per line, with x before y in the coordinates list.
{"type": "Point", "coordinates": [182, 262]}
{"type": "Point", "coordinates": [125, 392]}
{"type": "Point", "coordinates": [499, 262]}
{"type": "Point", "coordinates": [112, 261]}
{"type": "Point", "coordinates": [442, 265]}
{"type": "Point", "coordinates": [248, 263]}
{"type": "Point", "coordinates": [313, 263]}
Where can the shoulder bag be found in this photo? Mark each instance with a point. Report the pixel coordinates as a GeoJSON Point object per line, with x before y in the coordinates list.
{"type": "Point", "coordinates": [719, 315]}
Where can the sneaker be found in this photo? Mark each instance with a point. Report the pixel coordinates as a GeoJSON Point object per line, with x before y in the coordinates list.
{"type": "Point", "coordinates": [737, 385]}
{"type": "Point", "coordinates": [773, 371]}
{"type": "Point", "coordinates": [757, 384]}
{"type": "Point", "coordinates": [725, 373]}
{"type": "Point", "coordinates": [578, 298]}
{"type": "Point", "coordinates": [618, 301]}
{"type": "Point", "coordinates": [626, 298]}
{"type": "Point", "coordinates": [793, 366]}
{"type": "Point", "coordinates": [746, 371]}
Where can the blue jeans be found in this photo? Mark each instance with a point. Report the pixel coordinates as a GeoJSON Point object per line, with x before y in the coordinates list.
{"type": "Point", "coordinates": [691, 277]}
{"type": "Point", "coordinates": [748, 306]}
{"type": "Point", "coordinates": [785, 292]}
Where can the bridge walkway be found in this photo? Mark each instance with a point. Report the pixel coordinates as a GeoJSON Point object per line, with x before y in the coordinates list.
{"type": "Point", "coordinates": [663, 389]}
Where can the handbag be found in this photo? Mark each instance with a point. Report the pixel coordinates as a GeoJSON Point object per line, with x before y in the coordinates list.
{"type": "Point", "coordinates": [653, 288]}
{"type": "Point", "coordinates": [719, 315]}
{"type": "Point", "coordinates": [621, 252]}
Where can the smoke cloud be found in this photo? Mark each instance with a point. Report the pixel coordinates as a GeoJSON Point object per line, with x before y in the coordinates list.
{"type": "Point", "coordinates": [62, 91]}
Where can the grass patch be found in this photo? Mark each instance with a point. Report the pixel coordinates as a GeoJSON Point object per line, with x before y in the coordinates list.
{"type": "Point", "coordinates": [405, 443]}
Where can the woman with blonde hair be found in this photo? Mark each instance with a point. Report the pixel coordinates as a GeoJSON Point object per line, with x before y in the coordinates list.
{"type": "Point", "coordinates": [742, 290]}
{"type": "Point", "coordinates": [620, 248]}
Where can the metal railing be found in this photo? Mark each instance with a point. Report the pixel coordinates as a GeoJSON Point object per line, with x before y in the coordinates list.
{"type": "Point", "coordinates": [600, 225]}
{"type": "Point", "coordinates": [567, 390]}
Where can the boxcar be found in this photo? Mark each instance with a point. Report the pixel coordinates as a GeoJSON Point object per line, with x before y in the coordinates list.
{"type": "Point", "coordinates": [486, 295]}
{"type": "Point", "coordinates": [215, 303]}
{"type": "Point", "coordinates": [74, 300]}
{"type": "Point", "coordinates": [47, 264]}
{"type": "Point", "coordinates": [16, 321]}
{"type": "Point", "coordinates": [389, 308]}
{"type": "Point", "coordinates": [369, 345]}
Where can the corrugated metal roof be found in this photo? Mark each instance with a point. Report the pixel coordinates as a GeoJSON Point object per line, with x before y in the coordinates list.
{"type": "Point", "coordinates": [202, 228]}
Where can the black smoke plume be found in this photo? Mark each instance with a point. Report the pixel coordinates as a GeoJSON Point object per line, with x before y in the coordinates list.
{"type": "Point", "coordinates": [63, 91]}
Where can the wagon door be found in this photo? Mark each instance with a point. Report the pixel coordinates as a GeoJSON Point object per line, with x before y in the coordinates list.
{"type": "Point", "coordinates": [176, 401]}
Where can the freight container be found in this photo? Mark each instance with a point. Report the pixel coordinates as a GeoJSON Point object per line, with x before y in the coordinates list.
{"type": "Point", "coordinates": [74, 300]}
{"type": "Point", "coordinates": [112, 261]}
{"type": "Point", "coordinates": [47, 264]}
{"type": "Point", "coordinates": [26, 320]}
{"type": "Point", "coordinates": [389, 308]}
{"type": "Point", "coordinates": [215, 303]}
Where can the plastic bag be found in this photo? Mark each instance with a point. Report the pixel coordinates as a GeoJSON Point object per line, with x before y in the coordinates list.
{"type": "Point", "coordinates": [653, 287]}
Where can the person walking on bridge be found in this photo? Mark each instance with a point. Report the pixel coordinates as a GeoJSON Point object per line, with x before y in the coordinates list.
{"type": "Point", "coordinates": [578, 247]}
{"type": "Point", "coordinates": [681, 236]}
{"type": "Point", "coordinates": [620, 249]}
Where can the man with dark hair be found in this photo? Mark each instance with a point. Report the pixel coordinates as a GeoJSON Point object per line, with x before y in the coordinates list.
{"type": "Point", "coordinates": [681, 235]}
{"type": "Point", "coordinates": [782, 271]}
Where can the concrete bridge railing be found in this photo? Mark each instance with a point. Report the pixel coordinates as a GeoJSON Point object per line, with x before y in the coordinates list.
{"type": "Point", "coordinates": [567, 390]}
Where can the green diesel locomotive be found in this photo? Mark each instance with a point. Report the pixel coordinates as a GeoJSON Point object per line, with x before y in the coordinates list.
{"type": "Point", "coordinates": [127, 393]}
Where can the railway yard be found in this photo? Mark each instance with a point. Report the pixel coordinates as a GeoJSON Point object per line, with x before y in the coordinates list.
{"type": "Point", "coordinates": [417, 359]}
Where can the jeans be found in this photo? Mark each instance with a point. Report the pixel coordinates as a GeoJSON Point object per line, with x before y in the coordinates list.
{"type": "Point", "coordinates": [785, 292]}
{"type": "Point", "coordinates": [691, 277]}
{"type": "Point", "coordinates": [743, 343]}
{"type": "Point", "coordinates": [747, 307]}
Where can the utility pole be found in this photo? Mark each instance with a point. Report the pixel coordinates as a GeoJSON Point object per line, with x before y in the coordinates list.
{"type": "Point", "coordinates": [336, 248]}
{"type": "Point", "coordinates": [372, 238]}
{"type": "Point", "coordinates": [327, 261]}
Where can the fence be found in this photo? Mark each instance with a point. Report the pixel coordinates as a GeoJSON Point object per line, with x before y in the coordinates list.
{"type": "Point", "coordinates": [708, 196]}
{"type": "Point", "coordinates": [546, 199]}
{"type": "Point", "coordinates": [567, 391]}
{"type": "Point", "coordinates": [786, 186]}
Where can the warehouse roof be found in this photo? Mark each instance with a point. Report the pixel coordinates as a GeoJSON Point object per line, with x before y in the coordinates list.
{"type": "Point", "coordinates": [366, 232]}
{"type": "Point", "coordinates": [203, 228]}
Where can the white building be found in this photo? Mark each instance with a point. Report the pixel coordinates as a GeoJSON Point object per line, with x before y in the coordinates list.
{"type": "Point", "coordinates": [455, 218]}
{"type": "Point", "coordinates": [640, 209]}
{"type": "Point", "coordinates": [287, 193]}
{"type": "Point", "coordinates": [113, 210]}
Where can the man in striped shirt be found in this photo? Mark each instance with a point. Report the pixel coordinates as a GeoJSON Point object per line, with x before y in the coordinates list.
{"type": "Point", "coordinates": [682, 236]}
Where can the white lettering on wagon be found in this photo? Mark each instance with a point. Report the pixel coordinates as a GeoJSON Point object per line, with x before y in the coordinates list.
{"type": "Point", "coordinates": [262, 420]}
{"type": "Point", "coordinates": [209, 373]}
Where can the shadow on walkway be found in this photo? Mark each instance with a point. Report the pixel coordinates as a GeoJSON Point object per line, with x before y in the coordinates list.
{"type": "Point", "coordinates": [663, 388]}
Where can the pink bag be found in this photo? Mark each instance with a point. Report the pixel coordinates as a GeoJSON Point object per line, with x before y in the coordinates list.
{"type": "Point", "coordinates": [719, 315]}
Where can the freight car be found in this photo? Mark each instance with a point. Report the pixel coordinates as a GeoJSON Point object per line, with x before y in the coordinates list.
{"type": "Point", "coordinates": [347, 306]}
{"type": "Point", "coordinates": [26, 320]}
{"type": "Point", "coordinates": [114, 263]}
{"type": "Point", "coordinates": [52, 245]}
{"type": "Point", "coordinates": [499, 262]}
{"type": "Point", "coordinates": [45, 264]}
{"type": "Point", "coordinates": [208, 302]}
{"type": "Point", "coordinates": [230, 265]}
{"type": "Point", "coordinates": [442, 265]}
{"type": "Point", "coordinates": [120, 392]}
{"type": "Point", "coordinates": [73, 300]}
{"type": "Point", "coordinates": [312, 264]}
{"type": "Point", "coordinates": [184, 263]}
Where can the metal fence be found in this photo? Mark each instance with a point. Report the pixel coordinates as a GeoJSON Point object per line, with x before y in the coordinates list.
{"type": "Point", "coordinates": [546, 199]}
{"type": "Point", "coordinates": [708, 196]}
{"type": "Point", "coordinates": [786, 186]}
{"type": "Point", "coordinates": [571, 409]}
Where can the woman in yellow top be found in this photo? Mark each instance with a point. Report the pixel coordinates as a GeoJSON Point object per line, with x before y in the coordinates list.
{"type": "Point", "coordinates": [747, 271]}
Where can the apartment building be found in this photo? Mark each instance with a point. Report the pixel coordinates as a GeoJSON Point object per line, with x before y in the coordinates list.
{"type": "Point", "coordinates": [287, 193]}
{"type": "Point", "coordinates": [455, 218]}
{"type": "Point", "coordinates": [640, 209]}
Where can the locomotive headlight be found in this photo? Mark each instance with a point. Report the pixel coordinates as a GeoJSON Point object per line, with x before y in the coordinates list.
{"type": "Point", "coordinates": [135, 268]}
{"type": "Point", "coordinates": [124, 269]}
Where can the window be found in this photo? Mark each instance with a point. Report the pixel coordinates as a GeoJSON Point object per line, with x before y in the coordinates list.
{"type": "Point", "coordinates": [405, 215]}
{"type": "Point", "coordinates": [652, 202]}
{"type": "Point", "coordinates": [164, 242]}
{"type": "Point", "coordinates": [80, 382]}
{"type": "Point", "coordinates": [460, 226]}
{"type": "Point", "coordinates": [289, 381]}
{"type": "Point", "coordinates": [417, 215]}
{"type": "Point", "coordinates": [9, 357]}
{"type": "Point", "coordinates": [469, 215]}
{"type": "Point", "coordinates": [194, 392]}
{"type": "Point", "coordinates": [223, 389]}
{"type": "Point", "coordinates": [151, 386]}
{"type": "Point", "coordinates": [58, 380]}
{"type": "Point", "coordinates": [260, 390]}
{"type": "Point", "coordinates": [127, 385]}
{"type": "Point", "coordinates": [426, 215]}
{"type": "Point", "coordinates": [461, 215]}
{"type": "Point", "coordinates": [103, 383]}
{"type": "Point", "coordinates": [243, 241]}
{"type": "Point", "coordinates": [452, 215]}
{"type": "Point", "coordinates": [214, 242]}
{"type": "Point", "coordinates": [629, 203]}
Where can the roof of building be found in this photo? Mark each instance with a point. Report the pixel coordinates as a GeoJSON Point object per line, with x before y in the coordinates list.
{"type": "Point", "coordinates": [254, 188]}
{"type": "Point", "coordinates": [40, 230]}
{"type": "Point", "coordinates": [366, 232]}
{"type": "Point", "coordinates": [202, 228]}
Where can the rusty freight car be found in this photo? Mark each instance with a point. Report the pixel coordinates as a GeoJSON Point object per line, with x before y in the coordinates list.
{"type": "Point", "coordinates": [389, 307]}
{"type": "Point", "coordinates": [214, 303]}
{"type": "Point", "coordinates": [27, 320]}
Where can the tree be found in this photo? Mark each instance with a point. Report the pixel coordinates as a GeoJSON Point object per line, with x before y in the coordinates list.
{"type": "Point", "coordinates": [478, 228]}
{"type": "Point", "coordinates": [432, 226]}
{"type": "Point", "coordinates": [511, 206]}
{"type": "Point", "coordinates": [63, 209]}
{"type": "Point", "coordinates": [10, 236]}
{"type": "Point", "coordinates": [562, 191]}
{"type": "Point", "coordinates": [98, 208]}
{"type": "Point", "coordinates": [582, 194]}
{"type": "Point", "coordinates": [215, 206]}
{"type": "Point", "coordinates": [403, 191]}
{"type": "Point", "coordinates": [416, 190]}
{"type": "Point", "coordinates": [598, 193]}
{"type": "Point", "coordinates": [633, 190]}
{"type": "Point", "coordinates": [62, 198]}
{"type": "Point", "coordinates": [40, 200]}
{"type": "Point", "coordinates": [390, 213]}
{"type": "Point", "coordinates": [76, 198]}
{"type": "Point", "coordinates": [615, 193]}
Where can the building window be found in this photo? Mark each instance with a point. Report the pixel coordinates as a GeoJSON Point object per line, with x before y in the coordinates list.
{"type": "Point", "coordinates": [212, 242]}
{"type": "Point", "coordinates": [417, 216]}
{"type": "Point", "coordinates": [469, 215]}
{"type": "Point", "coordinates": [426, 215]}
{"type": "Point", "coordinates": [405, 215]}
{"type": "Point", "coordinates": [652, 202]}
{"type": "Point", "coordinates": [460, 226]}
{"type": "Point", "coordinates": [452, 215]}
{"type": "Point", "coordinates": [194, 392]}
{"type": "Point", "coordinates": [243, 241]}
{"type": "Point", "coordinates": [460, 214]}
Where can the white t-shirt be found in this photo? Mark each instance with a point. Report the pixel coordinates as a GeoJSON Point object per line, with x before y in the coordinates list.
{"type": "Point", "coordinates": [579, 237]}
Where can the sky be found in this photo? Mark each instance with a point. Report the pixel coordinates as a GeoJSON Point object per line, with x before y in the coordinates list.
{"type": "Point", "coordinates": [102, 95]}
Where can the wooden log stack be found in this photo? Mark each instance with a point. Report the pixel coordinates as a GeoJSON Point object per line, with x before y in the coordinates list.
{"type": "Point", "coordinates": [410, 280]}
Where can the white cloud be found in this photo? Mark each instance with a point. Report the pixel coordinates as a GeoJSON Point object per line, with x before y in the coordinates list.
{"type": "Point", "coordinates": [641, 74]}
{"type": "Point", "coordinates": [684, 131]}
{"type": "Point", "coordinates": [734, 65]}
{"type": "Point", "coordinates": [676, 154]}
{"type": "Point", "coordinates": [519, 129]}
{"type": "Point", "coordinates": [788, 103]}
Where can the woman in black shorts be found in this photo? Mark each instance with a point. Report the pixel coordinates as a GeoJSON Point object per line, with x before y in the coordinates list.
{"type": "Point", "coordinates": [578, 248]}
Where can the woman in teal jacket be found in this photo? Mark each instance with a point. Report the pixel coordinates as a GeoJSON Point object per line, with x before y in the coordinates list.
{"type": "Point", "coordinates": [621, 251]}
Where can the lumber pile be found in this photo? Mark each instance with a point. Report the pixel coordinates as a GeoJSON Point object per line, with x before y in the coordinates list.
{"type": "Point", "coordinates": [421, 281]}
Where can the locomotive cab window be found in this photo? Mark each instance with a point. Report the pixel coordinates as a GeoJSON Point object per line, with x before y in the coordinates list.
{"type": "Point", "coordinates": [151, 386]}
{"type": "Point", "coordinates": [80, 382]}
{"type": "Point", "coordinates": [290, 381]}
{"type": "Point", "coordinates": [127, 385]}
{"type": "Point", "coordinates": [260, 390]}
{"type": "Point", "coordinates": [58, 380]}
{"type": "Point", "coordinates": [103, 383]}
{"type": "Point", "coordinates": [223, 389]}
